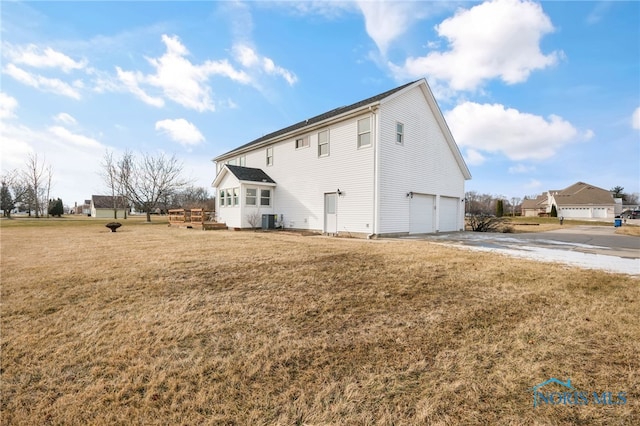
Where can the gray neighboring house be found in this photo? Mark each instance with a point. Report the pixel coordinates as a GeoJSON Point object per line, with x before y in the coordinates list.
{"type": "Point", "coordinates": [102, 206]}
{"type": "Point", "coordinates": [578, 201]}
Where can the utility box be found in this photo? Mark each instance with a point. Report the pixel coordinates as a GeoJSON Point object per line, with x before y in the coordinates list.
{"type": "Point", "coordinates": [268, 221]}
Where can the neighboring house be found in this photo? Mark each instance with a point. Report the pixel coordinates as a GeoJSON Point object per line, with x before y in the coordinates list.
{"type": "Point", "coordinates": [83, 209]}
{"type": "Point", "coordinates": [534, 207]}
{"type": "Point", "coordinates": [387, 165]}
{"type": "Point", "coordinates": [578, 201]}
{"type": "Point", "coordinates": [102, 206]}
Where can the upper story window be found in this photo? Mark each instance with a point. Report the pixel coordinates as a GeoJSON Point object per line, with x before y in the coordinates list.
{"type": "Point", "coordinates": [364, 132]}
{"type": "Point", "coordinates": [302, 142]}
{"type": "Point", "coordinates": [233, 162]}
{"type": "Point", "coordinates": [242, 161]}
{"type": "Point", "coordinates": [323, 143]}
{"type": "Point", "coordinates": [399, 133]}
{"type": "Point", "coordinates": [270, 156]}
{"type": "Point", "coordinates": [250, 196]}
{"type": "Point", "coordinates": [265, 197]}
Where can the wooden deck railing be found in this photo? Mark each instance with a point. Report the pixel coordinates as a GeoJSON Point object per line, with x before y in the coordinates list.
{"type": "Point", "coordinates": [187, 216]}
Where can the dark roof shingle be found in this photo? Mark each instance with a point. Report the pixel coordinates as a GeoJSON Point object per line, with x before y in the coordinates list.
{"type": "Point", "coordinates": [106, 202]}
{"type": "Point", "coordinates": [249, 174]}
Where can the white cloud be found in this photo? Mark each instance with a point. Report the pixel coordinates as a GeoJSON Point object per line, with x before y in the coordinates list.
{"type": "Point", "coordinates": [67, 137]}
{"type": "Point", "coordinates": [521, 168]}
{"type": "Point", "coordinates": [52, 85]}
{"type": "Point", "coordinates": [497, 39]}
{"type": "Point", "coordinates": [8, 104]}
{"type": "Point", "coordinates": [473, 157]}
{"type": "Point", "coordinates": [65, 118]}
{"type": "Point", "coordinates": [520, 136]}
{"type": "Point", "coordinates": [179, 79]}
{"type": "Point", "coordinates": [131, 80]}
{"type": "Point", "coordinates": [37, 57]}
{"type": "Point", "coordinates": [181, 131]}
{"type": "Point", "coordinates": [635, 119]}
{"type": "Point", "coordinates": [386, 21]}
{"type": "Point", "coordinates": [249, 58]}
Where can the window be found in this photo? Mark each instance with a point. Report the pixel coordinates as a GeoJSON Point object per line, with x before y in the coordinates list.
{"type": "Point", "coordinates": [265, 197]}
{"type": "Point", "coordinates": [323, 143]}
{"type": "Point", "coordinates": [302, 143]}
{"type": "Point", "coordinates": [364, 132]}
{"type": "Point", "coordinates": [270, 156]}
{"type": "Point", "coordinates": [228, 202]}
{"type": "Point", "coordinates": [242, 161]}
{"type": "Point", "coordinates": [250, 198]}
{"type": "Point", "coordinates": [235, 196]}
{"type": "Point", "coordinates": [232, 162]}
{"type": "Point", "coordinates": [222, 198]}
{"type": "Point", "coordinates": [399, 133]}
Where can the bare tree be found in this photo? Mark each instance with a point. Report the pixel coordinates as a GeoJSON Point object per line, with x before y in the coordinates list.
{"type": "Point", "coordinates": [14, 190]}
{"type": "Point", "coordinates": [254, 219]}
{"type": "Point", "coordinates": [34, 176]}
{"type": "Point", "coordinates": [150, 178]}
{"type": "Point", "coordinates": [514, 203]}
{"type": "Point", "coordinates": [111, 175]}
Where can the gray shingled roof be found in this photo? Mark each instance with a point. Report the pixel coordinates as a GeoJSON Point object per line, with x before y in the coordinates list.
{"type": "Point", "coordinates": [106, 202]}
{"type": "Point", "coordinates": [319, 118]}
{"type": "Point", "coordinates": [581, 193]}
{"type": "Point", "coordinates": [249, 174]}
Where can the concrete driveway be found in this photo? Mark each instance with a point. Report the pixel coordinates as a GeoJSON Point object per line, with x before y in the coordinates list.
{"type": "Point", "coordinates": [594, 247]}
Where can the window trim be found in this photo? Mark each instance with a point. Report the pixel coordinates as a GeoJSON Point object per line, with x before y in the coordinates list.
{"type": "Point", "coordinates": [360, 134]}
{"type": "Point", "coordinates": [265, 198]}
{"type": "Point", "coordinates": [400, 134]}
{"type": "Point", "coordinates": [304, 140]}
{"type": "Point", "coordinates": [254, 197]}
{"type": "Point", "coordinates": [323, 144]}
{"type": "Point", "coordinates": [235, 197]}
{"type": "Point", "coordinates": [269, 153]}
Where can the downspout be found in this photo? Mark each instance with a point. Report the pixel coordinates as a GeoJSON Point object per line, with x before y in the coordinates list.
{"type": "Point", "coordinates": [376, 167]}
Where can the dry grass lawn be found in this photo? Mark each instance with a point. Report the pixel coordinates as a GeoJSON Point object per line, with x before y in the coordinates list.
{"type": "Point", "coordinates": [158, 325]}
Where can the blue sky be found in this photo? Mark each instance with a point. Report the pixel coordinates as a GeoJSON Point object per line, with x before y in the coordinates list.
{"type": "Point", "coordinates": [537, 95]}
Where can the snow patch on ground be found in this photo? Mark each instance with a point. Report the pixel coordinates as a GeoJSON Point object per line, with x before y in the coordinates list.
{"type": "Point", "coordinates": [573, 258]}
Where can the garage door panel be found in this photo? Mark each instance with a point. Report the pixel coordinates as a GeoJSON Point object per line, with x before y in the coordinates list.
{"type": "Point", "coordinates": [421, 214]}
{"type": "Point", "coordinates": [448, 214]}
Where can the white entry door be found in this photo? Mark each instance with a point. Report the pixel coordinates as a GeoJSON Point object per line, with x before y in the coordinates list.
{"type": "Point", "coordinates": [330, 216]}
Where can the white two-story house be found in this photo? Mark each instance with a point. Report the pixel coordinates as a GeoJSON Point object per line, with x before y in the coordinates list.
{"type": "Point", "coordinates": [387, 165]}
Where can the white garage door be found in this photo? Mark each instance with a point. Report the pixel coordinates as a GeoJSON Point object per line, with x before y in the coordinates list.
{"type": "Point", "coordinates": [448, 214]}
{"type": "Point", "coordinates": [421, 214]}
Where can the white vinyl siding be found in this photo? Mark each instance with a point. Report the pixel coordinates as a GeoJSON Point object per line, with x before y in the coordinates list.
{"type": "Point", "coordinates": [372, 182]}
{"type": "Point", "coordinates": [423, 164]}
